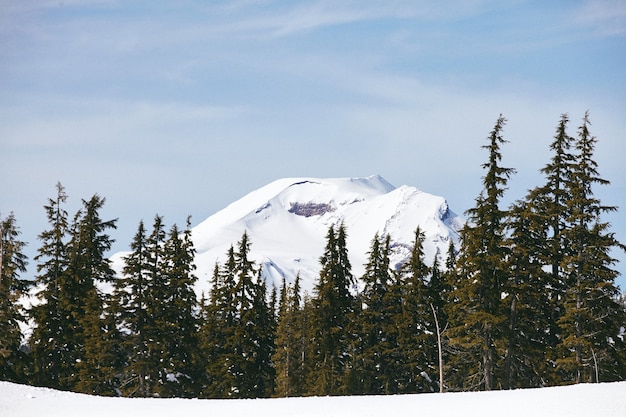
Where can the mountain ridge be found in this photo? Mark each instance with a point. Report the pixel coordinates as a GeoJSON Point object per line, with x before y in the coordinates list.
{"type": "Point", "coordinates": [287, 221]}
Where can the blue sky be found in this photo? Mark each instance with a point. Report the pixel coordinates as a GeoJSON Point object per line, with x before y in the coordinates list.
{"type": "Point", "coordinates": [179, 108]}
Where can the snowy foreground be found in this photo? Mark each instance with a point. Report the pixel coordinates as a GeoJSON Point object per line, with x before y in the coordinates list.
{"type": "Point", "coordinates": [603, 400]}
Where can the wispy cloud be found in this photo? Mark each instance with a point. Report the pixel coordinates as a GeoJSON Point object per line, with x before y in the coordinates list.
{"type": "Point", "coordinates": [116, 123]}
{"type": "Point", "coordinates": [606, 17]}
{"type": "Point", "coordinates": [279, 19]}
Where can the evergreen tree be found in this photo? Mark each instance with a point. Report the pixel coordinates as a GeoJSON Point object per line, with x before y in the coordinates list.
{"type": "Point", "coordinates": [373, 360]}
{"type": "Point", "coordinates": [212, 339]}
{"type": "Point", "coordinates": [50, 355]}
{"type": "Point", "coordinates": [333, 303]}
{"type": "Point", "coordinates": [417, 336]}
{"type": "Point", "coordinates": [262, 330]}
{"type": "Point", "coordinates": [238, 331]}
{"type": "Point", "coordinates": [218, 328]}
{"type": "Point", "coordinates": [288, 356]}
{"type": "Point", "coordinates": [240, 346]}
{"type": "Point", "coordinates": [590, 325]}
{"type": "Point", "coordinates": [547, 211]}
{"type": "Point", "coordinates": [437, 293]}
{"type": "Point", "coordinates": [178, 329]}
{"type": "Point", "coordinates": [84, 301]}
{"type": "Point", "coordinates": [478, 319]}
{"type": "Point", "coordinates": [129, 307]}
{"type": "Point", "coordinates": [156, 304]}
{"type": "Point", "coordinates": [12, 287]}
{"type": "Point", "coordinates": [528, 303]}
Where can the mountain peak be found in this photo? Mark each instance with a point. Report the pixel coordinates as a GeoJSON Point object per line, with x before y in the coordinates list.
{"type": "Point", "coordinates": [287, 221]}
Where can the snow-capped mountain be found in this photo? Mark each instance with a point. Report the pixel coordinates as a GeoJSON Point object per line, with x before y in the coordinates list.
{"type": "Point", "coordinates": [288, 219]}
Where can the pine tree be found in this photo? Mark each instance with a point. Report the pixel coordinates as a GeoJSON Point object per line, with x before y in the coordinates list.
{"type": "Point", "coordinates": [437, 293]}
{"type": "Point", "coordinates": [12, 287]}
{"type": "Point", "coordinates": [591, 323]}
{"type": "Point", "coordinates": [129, 308]}
{"type": "Point", "coordinates": [156, 304]}
{"type": "Point", "coordinates": [332, 303]}
{"type": "Point", "coordinates": [262, 330]}
{"type": "Point", "coordinates": [87, 266]}
{"type": "Point", "coordinates": [528, 303]}
{"type": "Point", "coordinates": [373, 361]}
{"type": "Point", "coordinates": [547, 211]}
{"type": "Point", "coordinates": [178, 329]}
{"type": "Point", "coordinates": [49, 354]}
{"type": "Point", "coordinates": [212, 339]}
{"type": "Point", "coordinates": [218, 328]}
{"type": "Point", "coordinates": [289, 352]}
{"type": "Point", "coordinates": [417, 336]}
{"type": "Point", "coordinates": [478, 319]}
{"type": "Point", "coordinates": [240, 345]}
{"type": "Point", "coordinates": [238, 330]}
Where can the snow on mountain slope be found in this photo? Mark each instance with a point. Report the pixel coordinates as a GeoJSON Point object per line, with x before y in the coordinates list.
{"type": "Point", "coordinates": [586, 400]}
{"type": "Point", "coordinates": [288, 219]}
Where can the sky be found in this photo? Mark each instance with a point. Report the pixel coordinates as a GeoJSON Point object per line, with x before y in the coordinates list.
{"type": "Point", "coordinates": [179, 108]}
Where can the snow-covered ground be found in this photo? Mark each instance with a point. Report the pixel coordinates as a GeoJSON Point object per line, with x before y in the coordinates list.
{"type": "Point", "coordinates": [587, 400]}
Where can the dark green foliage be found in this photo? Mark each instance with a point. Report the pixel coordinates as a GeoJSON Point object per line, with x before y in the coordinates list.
{"type": "Point", "coordinates": [49, 355]}
{"type": "Point", "coordinates": [546, 211]}
{"type": "Point", "coordinates": [417, 333]}
{"type": "Point", "coordinates": [70, 343]}
{"type": "Point", "coordinates": [129, 308]}
{"type": "Point", "coordinates": [290, 349]}
{"type": "Point", "coordinates": [590, 325]}
{"type": "Point", "coordinates": [333, 304]}
{"type": "Point", "coordinates": [527, 303]}
{"type": "Point", "coordinates": [375, 338]}
{"type": "Point", "coordinates": [88, 266]}
{"type": "Point", "coordinates": [528, 300]}
{"type": "Point", "coordinates": [478, 317]}
{"type": "Point", "coordinates": [238, 331]}
{"type": "Point", "coordinates": [155, 305]}
{"type": "Point", "coordinates": [12, 287]}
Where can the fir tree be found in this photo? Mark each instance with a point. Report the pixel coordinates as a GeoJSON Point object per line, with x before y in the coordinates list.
{"type": "Point", "coordinates": [333, 304]}
{"type": "Point", "coordinates": [591, 323]}
{"type": "Point", "coordinates": [178, 329]}
{"type": "Point", "coordinates": [129, 307]}
{"type": "Point", "coordinates": [212, 338]}
{"type": "Point", "coordinates": [156, 304]}
{"type": "Point", "coordinates": [289, 352]}
{"type": "Point", "coordinates": [547, 211]}
{"type": "Point", "coordinates": [12, 287]}
{"type": "Point", "coordinates": [50, 355]}
{"type": "Point", "coordinates": [220, 318]}
{"type": "Point", "coordinates": [478, 318]}
{"type": "Point", "coordinates": [238, 331]}
{"type": "Point", "coordinates": [528, 303]}
{"type": "Point", "coordinates": [87, 266]}
{"type": "Point", "coordinates": [375, 341]}
{"type": "Point", "coordinates": [417, 336]}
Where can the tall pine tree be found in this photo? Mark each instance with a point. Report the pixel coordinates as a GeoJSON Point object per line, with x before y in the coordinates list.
{"type": "Point", "coordinates": [591, 324]}
{"type": "Point", "coordinates": [374, 361]}
{"type": "Point", "coordinates": [333, 304]}
{"type": "Point", "coordinates": [50, 357]}
{"type": "Point", "coordinates": [83, 300]}
{"type": "Point", "coordinates": [12, 263]}
{"type": "Point", "coordinates": [417, 336]}
{"type": "Point", "coordinates": [129, 305]}
{"type": "Point", "coordinates": [478, 318]}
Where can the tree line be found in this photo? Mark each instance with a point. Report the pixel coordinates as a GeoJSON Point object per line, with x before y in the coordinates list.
{"type": "Point", "coordinates": [528, 299]}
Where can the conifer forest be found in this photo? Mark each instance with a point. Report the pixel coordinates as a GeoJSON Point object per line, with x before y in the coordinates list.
{"type": "Point", "coordinates": [527, 299]}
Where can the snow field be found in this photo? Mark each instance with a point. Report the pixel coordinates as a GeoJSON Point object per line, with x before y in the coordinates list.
{"type": "Point", "coordinates": [585, 400]}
